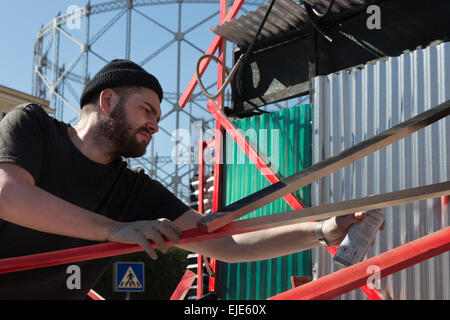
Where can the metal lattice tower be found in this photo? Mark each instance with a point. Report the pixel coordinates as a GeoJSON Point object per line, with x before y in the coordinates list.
{"type": "Point", "coordinates": [76, 44]}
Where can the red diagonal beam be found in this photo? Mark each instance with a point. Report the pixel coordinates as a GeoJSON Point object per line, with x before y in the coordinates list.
{"type": "Point", "coordinates": [183, 286]}
{"type": "Point", "coordinates": [211, 50]}
{"type": "Point", "coordinates": [94, 295]}
{"type": "Point", "coordinates": [261, 164]}
{"type": "Point", "coordinates": [350, 278]}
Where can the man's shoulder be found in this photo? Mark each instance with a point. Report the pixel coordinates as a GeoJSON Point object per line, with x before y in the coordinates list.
{"type": "Point", "coordinates": [32, 107]}
{"type": "Point", "coordinates": [30, 111]}
{"type": "Point", "coordinates": [35, 111]}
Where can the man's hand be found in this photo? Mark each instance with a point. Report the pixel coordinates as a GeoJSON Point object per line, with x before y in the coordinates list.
{"type": "Point", "coordinates": [139, 231]}
{"type": "Point", "coordinates": [335, 229]}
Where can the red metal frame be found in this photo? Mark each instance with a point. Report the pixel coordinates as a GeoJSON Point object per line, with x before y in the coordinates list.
{"type": "Point", "coordinates": [216, 42]}
{"type": "Point", "coordinates": [94, 295]}
{"type": "Point", "coordinates": [201, 181]}
{"type": "Point", "coordinates": [259, 162]}
{"type": "Point", "coordinates": [183, 286]}
{"type": "Point", "coordinates": [201, 176]}
{"type": "Point", "coordinates": [218, 143]}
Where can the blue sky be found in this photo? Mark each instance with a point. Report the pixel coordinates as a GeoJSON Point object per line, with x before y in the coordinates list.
{"type": "Point", "coordinates": [19, 22]}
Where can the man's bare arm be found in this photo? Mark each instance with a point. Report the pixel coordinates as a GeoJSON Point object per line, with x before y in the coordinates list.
{"type": "Point", "coordinates": [23, 203]}
{"type": "Point", "coordinates": [254, 246]}
{"type": "Point", "coordinates": [269, 243]}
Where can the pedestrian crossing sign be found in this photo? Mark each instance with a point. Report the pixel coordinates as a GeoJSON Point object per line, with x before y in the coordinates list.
{"type": "Point", "coordinates": [129, 277]}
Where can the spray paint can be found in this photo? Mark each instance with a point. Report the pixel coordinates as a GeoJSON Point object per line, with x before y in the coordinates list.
{"type": "Point", "coordinates": [358, 239]}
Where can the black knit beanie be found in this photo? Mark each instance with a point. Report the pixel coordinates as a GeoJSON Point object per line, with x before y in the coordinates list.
{"type": "Point", "coordinates": [120, 73]}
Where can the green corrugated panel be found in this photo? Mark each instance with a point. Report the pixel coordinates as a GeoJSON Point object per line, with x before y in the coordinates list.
{"type": "Point", "coordinates": [263, 279]}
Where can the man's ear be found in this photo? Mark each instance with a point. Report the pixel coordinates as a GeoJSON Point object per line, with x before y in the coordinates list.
{"type": "Point", "coordinates": [107, 100]}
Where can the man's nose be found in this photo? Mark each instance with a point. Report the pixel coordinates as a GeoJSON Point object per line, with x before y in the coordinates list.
{"type": "Point", "coordinates": [153, 127]}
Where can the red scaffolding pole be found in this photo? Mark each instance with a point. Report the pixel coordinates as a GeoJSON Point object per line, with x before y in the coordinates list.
{"type": "Point", "coordinates": [237, 4]}
{"type": "Point", "coordinates": [350, 278]}
{"type": "Point", "coordinates": [201, 181]}
{"type": "Point", "coordinates": [94, 295]}
{"type": "Point", "coordinates": [183, 286]}
{"type": "Point", "coordinates": [252, 154]}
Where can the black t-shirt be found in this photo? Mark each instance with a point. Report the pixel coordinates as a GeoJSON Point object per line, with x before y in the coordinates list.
{"type": "Point", "coordinates": [40, 144]}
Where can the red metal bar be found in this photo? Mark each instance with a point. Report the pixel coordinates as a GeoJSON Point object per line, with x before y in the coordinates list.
{"type": "Point", "coordinates": [183, 286]}
{"type": "Point", "coordinates": [201, 181]}
{"type": "Point", "coordinates": [199, 276]}
{"type": "Point", "coordinates": [237, 4]}
{"type": "Point", "coordinates": [216, 198]}
{"type": "Point", "coordinates": [201, 175]}
{"type": "Point", "coordinates": [350, 278]}
{"type": "Point", "coordinates": [371, 293]}
{"type": "Point", "coordinates": [218, 156]}
{"type": "Point", "coordinates": [222, 52]}
{"type": "Point", "coordinates": [261, 164]}
{"type": "Point", "coordinates": [217, 167]}
{"type": "Point", "coordinates": [94, 295]}
{"type": "Point", "coordinates": [110, 249]}
{"type": "Point", "coordinates": [218, 152]}
{"type": "Point", "coordinates": [202, 146]}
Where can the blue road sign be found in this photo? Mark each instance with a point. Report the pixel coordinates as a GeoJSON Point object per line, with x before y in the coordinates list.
{"type": "Point", "coordinates": [129, 276]}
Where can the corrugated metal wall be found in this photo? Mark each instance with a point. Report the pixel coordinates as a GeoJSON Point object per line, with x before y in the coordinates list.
{"type": "Point", "coordinates": [285, 138]}
{"type": "Point", "coordinates": [350, 107]}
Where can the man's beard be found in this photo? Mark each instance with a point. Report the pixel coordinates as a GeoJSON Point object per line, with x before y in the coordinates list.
{"type": "Point", "coordinates": [117, 133]}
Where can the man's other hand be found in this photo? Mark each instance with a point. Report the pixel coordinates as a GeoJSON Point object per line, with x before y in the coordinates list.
{"type": "Point", "coordinates": [335, 229]}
